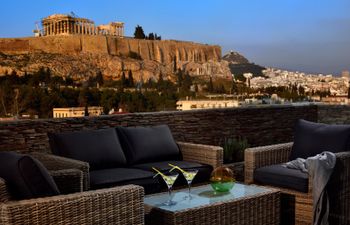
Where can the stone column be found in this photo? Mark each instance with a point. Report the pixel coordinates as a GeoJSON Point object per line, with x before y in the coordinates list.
{"type": "Point", "coordinates": [75, 28]}
{"type": "Point", "coordinates": [65, 26]}
{"type": "Point", "coordinates": [69, 26]}
{"type": "Point", "coordinates": [84, 28]}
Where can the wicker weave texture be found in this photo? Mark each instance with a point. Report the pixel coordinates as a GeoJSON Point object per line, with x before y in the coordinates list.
{"type": "Point", "coordinates": [53, 163]}
{"type": "Point", "coordinates": [302, 203]}
{"type": "Point", "coordinates": [264, 156]}
{"type": "Point", "coordinates": [206, 154]}
{"type": "Point", "coordinates": [4, 195]}
{"type": "Point", "coordinates": [68, 181]}
{"type": "Point", "coordinates": [120, 205]}
{"type": "Point", "coordinates": [262, 209]}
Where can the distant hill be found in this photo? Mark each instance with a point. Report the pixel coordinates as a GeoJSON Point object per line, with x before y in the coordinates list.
{"type": "Point", "coordinates": [235, 58]}
{"type": "Point", "coordinates": [239, 65]}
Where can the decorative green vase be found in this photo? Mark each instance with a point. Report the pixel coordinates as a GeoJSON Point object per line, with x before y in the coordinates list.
{"type": "Point", "coordinates": [222, 179]}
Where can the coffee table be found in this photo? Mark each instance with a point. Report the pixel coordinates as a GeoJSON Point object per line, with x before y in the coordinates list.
{"type": "Point", "coordinates": [243, 205]}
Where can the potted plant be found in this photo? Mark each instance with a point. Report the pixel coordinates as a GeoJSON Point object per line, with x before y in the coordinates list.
{"type": "Point", "coordinates": [234, 154]}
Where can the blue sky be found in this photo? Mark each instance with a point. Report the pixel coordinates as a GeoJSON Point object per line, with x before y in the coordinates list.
{"type": "Point", "coordinates": [303, 35]}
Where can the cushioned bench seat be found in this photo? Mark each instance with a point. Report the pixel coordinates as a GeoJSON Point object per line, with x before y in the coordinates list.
{"type": "Point", "coordinates": [280, 176]}
{"type": "Point", "coordinates": [122, 176]}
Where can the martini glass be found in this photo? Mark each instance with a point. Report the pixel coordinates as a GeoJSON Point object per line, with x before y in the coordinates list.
{"type": "Point", "coordinates": [189, 176]}
{"type": "Point", "coordinates": [170, 178]}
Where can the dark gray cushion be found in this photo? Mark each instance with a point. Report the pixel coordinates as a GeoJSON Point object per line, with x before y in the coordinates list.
{"type": "Point", "coordinates": [148, 144]}
{"type": "Point", "coordinates": [311, 139]}
{"type": "Point", "coordinates": [122, 176]}
{"type": "Point", "coordinates": [26, 177]}
{"type": "Point", "coordinates": [203, 175]}
{"type": "Point", "coordinates": [100, 148]}
{"type": "Point", "coordinates": [280, 176]}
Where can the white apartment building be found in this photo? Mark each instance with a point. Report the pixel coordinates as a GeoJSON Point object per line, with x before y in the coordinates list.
{"type": "Point", "coordinates": [76, 111]}
{"type": "Point", "coordinates": [183, 105]}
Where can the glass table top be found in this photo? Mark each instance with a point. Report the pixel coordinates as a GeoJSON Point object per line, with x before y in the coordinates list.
{"type": "Point", "coordinates": [201, 196]}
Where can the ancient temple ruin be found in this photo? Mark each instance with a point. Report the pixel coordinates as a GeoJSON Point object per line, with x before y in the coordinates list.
{"type": "Point", "coordinates": [66, 24]}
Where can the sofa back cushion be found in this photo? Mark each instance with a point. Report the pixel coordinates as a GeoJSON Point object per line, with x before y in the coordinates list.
{"type": "Point", "coordinates": [100, 148]}
{"type": "Point", "coordinates": [26, 177]}
{"type": "Point", "coordinates": [148, 144]}
{"type": "Point", "coordinates": [312, 138]}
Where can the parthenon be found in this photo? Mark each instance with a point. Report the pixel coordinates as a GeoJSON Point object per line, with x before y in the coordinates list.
{"type": "Point", "coordinates": [65, 24]}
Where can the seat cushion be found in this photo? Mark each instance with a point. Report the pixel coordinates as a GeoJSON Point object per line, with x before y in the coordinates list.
{"type": "Point", "coordinates": [280, 176]}
{"type": "Point", "coordinates": [26, 177]}
{"type": "Point", "coordinates": [121, 176]}
{"type": "Point", "coordinates": [148, 144]}
{"type": "Point", "coordinates": [311, 139]}
{"type": "Point", "coordinates": [203, 174]}
{"type": "Point", "coordinates": [100, 148]}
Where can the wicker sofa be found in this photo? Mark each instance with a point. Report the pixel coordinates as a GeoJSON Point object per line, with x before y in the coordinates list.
{"type": "Point", "coordinates": [297, 206]}
{"type": "Point", "coordinates": [126, 155]}
{"type": "Point", "coordinates": [119, 205]}
{"type": "Point", "coordinates": [197, 153]}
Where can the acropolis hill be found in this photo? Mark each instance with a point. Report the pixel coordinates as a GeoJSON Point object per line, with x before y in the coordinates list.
{"type": "Point", "coordinates": [81, 51]}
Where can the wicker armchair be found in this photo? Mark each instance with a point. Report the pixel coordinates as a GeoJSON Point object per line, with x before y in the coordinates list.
{"type": "Point", "coordinates": [120, 205]}
{"type": "Point", "coordinates": [57, 163]}
{"type": "Point", "coordinates": [299, 205]}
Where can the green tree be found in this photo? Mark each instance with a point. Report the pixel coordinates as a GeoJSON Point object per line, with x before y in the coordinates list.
{"type": "Point", "coordinates": [151, 36]}
{"type": "Point", "coordinates": [99, 78]}
{"type": "Point", "coordinates": [187, 82]}
{"type": "Point", "coordinates": [139, 33]}
{"type": "Point", "coordinates": [160, 83]}
{"type": "Point", "coordinates": [210, 85]}
{"type": "Point", "coordinates": [156, 37]}
{"type": "Point", "coordinates": [175, 64]}
{"type": "Point", "coordinates": [131, 79]}
{"type": "Point", "coordinates": [123, 82]}
{"type": "Point", "coordinates": [180, 78]}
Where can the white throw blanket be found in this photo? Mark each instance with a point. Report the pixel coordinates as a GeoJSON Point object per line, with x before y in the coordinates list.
{"type": "Point", "coordinates": [320, 167]}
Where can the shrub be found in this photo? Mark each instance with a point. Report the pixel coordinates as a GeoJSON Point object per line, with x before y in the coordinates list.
{"type": "Point", "coordinates": [234, 149]}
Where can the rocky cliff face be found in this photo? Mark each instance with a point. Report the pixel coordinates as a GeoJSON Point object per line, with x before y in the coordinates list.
{"type": "Point", "coordinates": [80, 56]}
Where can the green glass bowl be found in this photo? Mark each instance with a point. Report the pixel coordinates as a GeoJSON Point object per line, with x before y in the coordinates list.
{"type": "Point", "coordinates": [222, 186]}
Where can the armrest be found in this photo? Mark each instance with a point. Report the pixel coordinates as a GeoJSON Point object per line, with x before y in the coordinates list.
{"type": "Point", "coordinates": [54, 162]}
{"type": "Point", "coordinates": [339, 187]}
{"type": "Point", "coordinates": [68, 180]}
{"type": "Point", "coordinates": [119, 205]}
{"type": "Point", "coordinates": [4, 195]}
{"type": "Point", "coordinates": [264, 156]}
{"type": "Point", "coordinates": [206, 154]}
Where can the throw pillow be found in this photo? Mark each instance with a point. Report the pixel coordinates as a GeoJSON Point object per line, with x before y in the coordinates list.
{"type": "Point", "coordinates": [312, 138]}
{"type": "Point", "coordinates": [148, 144]}
{"type": "Point", "coordinates": [26, 177]}
{"type": "Point", "coordinates": [100, 148]}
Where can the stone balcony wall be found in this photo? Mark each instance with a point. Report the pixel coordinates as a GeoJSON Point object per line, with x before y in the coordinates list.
{"type": "Point", "coordinates": [260, 125]}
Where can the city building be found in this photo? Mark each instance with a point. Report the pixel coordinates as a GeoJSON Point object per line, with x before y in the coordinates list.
{"type": "Point", "coordinates": [183, 105]}
{"type": "Point", "coordinates": [76, 111]}
{"type": "Point", "coordinates": [67, 24]}
{"type": "Point", "coordinates": [310, 82]}
{"type": "Point", "coordinates": [336, 100]}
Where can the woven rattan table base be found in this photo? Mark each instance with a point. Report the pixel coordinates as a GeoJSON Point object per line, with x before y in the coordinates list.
{"type": "Point", "coordinates": [261, 209]}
